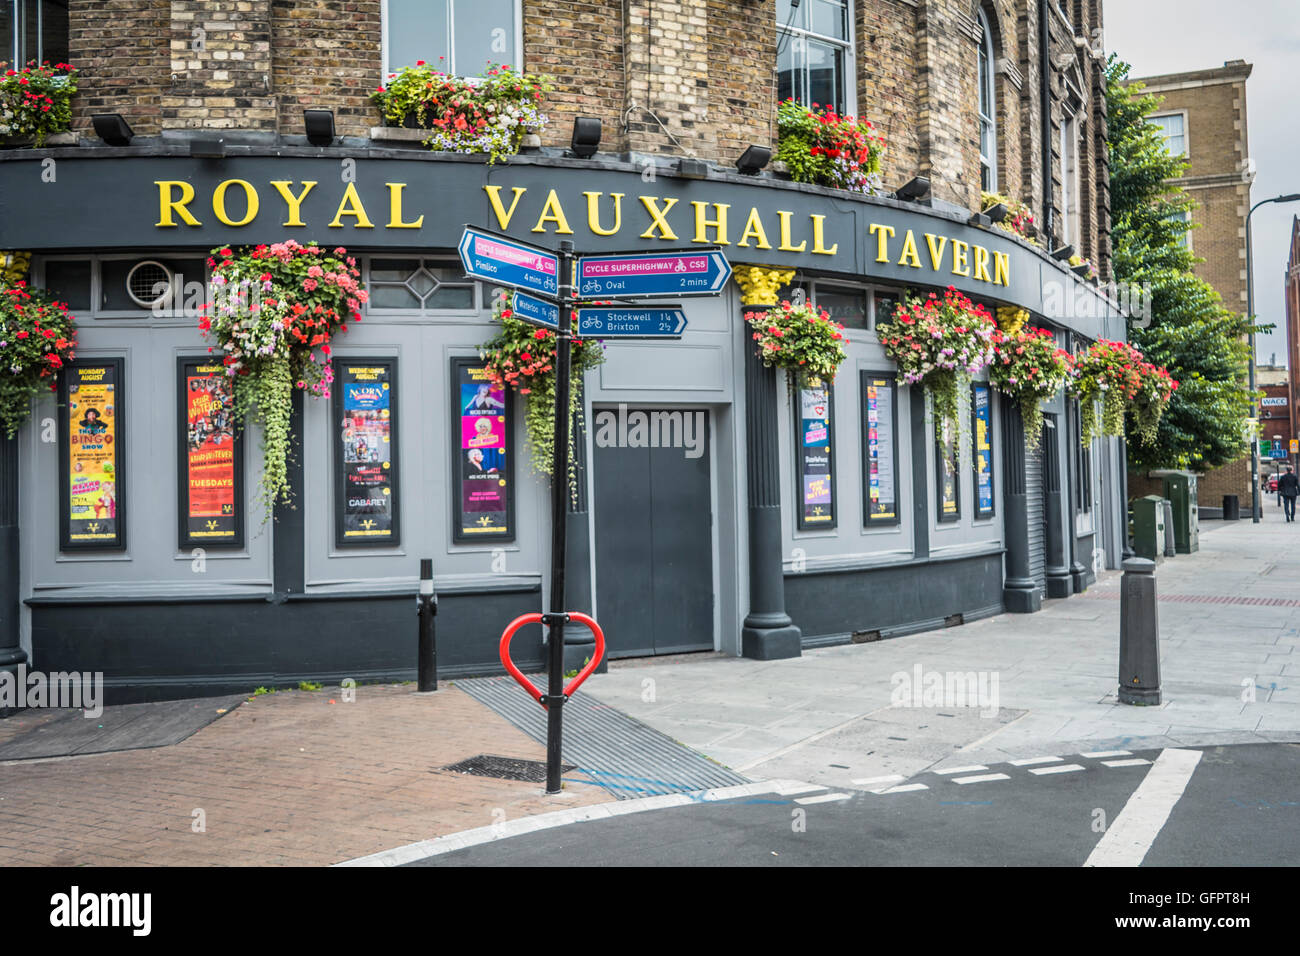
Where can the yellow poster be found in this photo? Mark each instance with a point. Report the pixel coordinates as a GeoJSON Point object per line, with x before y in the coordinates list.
{"type": "Point", "coordinates": [93, 449]}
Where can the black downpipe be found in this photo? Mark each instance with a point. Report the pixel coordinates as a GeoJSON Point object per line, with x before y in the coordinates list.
{"type": "Point", "coordinates": [1045, 104]}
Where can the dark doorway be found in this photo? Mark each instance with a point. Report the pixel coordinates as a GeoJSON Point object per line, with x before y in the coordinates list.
{"type": "Point", "coordinates": [654, 530]}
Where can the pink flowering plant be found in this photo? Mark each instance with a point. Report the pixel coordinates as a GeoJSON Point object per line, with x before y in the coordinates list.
{"type": "Point", "coordinates": [488, 114]}
{"type": "Point", "coordinates": [801, 339]}
{"type": "Point", "coordinates": [1020, 219]}
{"type": "Point", "coordinates": [1030, 369]}
{"type": "Point", "coordinates": [822, 147]}
{"type": "Point", "coordinates": [274, 311]}
{"type": "Point", "coordinates": [939, 343]}
{"type": "Point", "coordinates": [36, 100]}
{"type": "Point", "coordinates": [37, 339]}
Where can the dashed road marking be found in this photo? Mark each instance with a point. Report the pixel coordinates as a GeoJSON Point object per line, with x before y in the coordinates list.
{"type": "Point", "coordinates": [887, 778]}
{"type": "Point", "coordinates": [1098, 754]}
{"type": "Point", "coordinates": [1134, 762]}
{"type": "Point", "coordinates": [1063, 768]}
{"type": "Point", "coordinates": [970, 769]}
{"type": "Point", "coordinates": [791, 787]}
{"type": "Point", "coordinates": [905, 788]}
{"type": "Point", "coordinates": [982, 778]}
{"type": "Point", "coordinates": [1029, 761]}
{"type": "Point", "coordinates": [823, 798]}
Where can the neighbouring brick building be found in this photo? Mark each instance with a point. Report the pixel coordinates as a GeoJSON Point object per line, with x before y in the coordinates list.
{"type": "Point", "coordinates": [1203, 116]}
{"type": "Point", "coordinates": [973, 96]}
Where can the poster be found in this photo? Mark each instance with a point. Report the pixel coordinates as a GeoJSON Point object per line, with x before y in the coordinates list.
{"type": "Point", "coordinates": [946, 455]}
{"type": "Point", "coordinates": [880, 423]}
{"type": "Point", "coordinates": [92, 499]}
{"type": "Point", "coordinates": [815, 452]}
{"type": "Point", "coordinates": [211, 459]}
{"type": "Point", "coordinates": [366, 407]}
{"type": "Point", "coordinates": [484, 505]}
{"type": "Point", "coordinates": [982, 428]}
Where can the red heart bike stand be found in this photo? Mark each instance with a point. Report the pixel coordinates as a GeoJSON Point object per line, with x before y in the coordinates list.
{"type": "Point", "coordinates": [536, 618]}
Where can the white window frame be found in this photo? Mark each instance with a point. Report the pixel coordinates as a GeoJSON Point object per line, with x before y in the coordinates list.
{"type": "Point", "coordinates": [385, 20]}
{"type": "Point", "coordinates": [1070, 203]}
{"type": "Point", "coordinates": [989, 162]}
{"type": "Point", "coordinates": [848, 44]}
{"type": "Point", "coordinates": [173, 313]}
{"type": "Point", "coordinates": [480, 302]}
{"type": "Point", "coordinates": [1187, 144]}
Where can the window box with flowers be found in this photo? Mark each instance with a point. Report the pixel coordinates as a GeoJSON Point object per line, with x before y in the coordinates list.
{"type": "Point", "coordinates": [821, 147]}
{"type": "Point", "coordinates": [35, 102]}
{"type": "Point", "coordinates": [1019, 220]}
{"type": "Point", "coordinates": [939, 343]}
{"type": "Point", "coordinates": [1120, 377]}
{"type": "Point", "coordinates": [37, 338]}
{"type": "Point", "coordinates": [274, 311]}
{"type": "Point", "coordinates": [489, 115]}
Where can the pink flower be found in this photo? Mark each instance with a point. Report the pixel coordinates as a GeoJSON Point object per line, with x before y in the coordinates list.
{"type": "Point", "coordinates": [309, 284]}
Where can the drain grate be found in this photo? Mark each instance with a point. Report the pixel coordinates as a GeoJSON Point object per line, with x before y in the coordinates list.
{"type": "Point", "coordinates": [506, 768]}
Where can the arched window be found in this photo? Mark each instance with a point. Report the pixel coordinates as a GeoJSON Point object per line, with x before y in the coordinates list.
{"type": "Point", "coordinates": [988, 110]}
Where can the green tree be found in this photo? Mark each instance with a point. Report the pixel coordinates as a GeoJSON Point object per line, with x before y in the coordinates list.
{"type": "Point", "coordinates": [1191, 333]}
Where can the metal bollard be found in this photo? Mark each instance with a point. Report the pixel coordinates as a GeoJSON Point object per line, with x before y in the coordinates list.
{"type": "Point", "coordinates": [427, 664]}
{"type": "Point", "coordinates": [1171, 548]}
{"type": "Point", "coordinates": [1139, 634]}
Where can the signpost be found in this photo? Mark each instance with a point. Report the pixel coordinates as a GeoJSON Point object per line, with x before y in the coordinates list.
{"type": "Point", "coordinates": [664, 322]}
{"type": "Point", "coordinates": [503, 261]}
{"type": "Point", "coordinates": [653, 275]}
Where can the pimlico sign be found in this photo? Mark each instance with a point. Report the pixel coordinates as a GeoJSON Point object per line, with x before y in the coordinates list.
{"type": "Point", "coordinates": [92, 202]}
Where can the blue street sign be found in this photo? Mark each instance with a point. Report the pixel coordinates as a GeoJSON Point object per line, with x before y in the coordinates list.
{"type": "Point", "coordinates": [536, 311]}
{"type": "Point", "coordinates": [664, 322]}
{"type": "Point", "coordinates": [647, 275]}
{"type": "Point", "coordinates": [503, 261]}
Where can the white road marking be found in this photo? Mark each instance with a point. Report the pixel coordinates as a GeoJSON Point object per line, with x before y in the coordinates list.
{"type": "Point", "coordinates": [887, 778]}
{"type": "Point", "coordinates": [788, 788]}
{"type": "Point", "coordinates": [981, 778]}
{"type": "Point", "coordinates": [1132, 833]}
{"type": "Point", "coordinates": [1063, 768]}
{"type": "Point", "coordinates": [824, 798]}
{"type": "Point", "coordinates": [1134, 762]}
{"type": "Point", "coordinates": [1098, 754]}
{"type": "Point", "coordinates": [905, 788]}
{"type": "Point", "coordinates": [970, 769]}
{"type": "Point", "coordinates": [1028, 761]}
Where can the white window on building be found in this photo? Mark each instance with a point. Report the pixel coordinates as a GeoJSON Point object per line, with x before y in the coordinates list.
{"type": "Point", "coordinates": [33, 30]}
{"type": "Point", "coordinates": [1070, 181]}
{"type": "Point", "coordinates": [988, 110]}
{"type": "Point", "coordinates": [455, 36]}
{"type": "Point", "coordinates": [1173, 126]}
{"type": "Point", "coordinates": [814, 53]}
{"type": "Point", "coordinates": [1184, 215]}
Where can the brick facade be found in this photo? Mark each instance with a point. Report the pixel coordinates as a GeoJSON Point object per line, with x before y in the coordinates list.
{"type": "Point", "coordinates": [667, 77]}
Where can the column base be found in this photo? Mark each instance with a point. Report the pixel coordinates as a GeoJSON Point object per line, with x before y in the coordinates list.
{"type": "Point", "coordinates": [577, 653]}
{"type": "Point", "coordinates": [1140, 697]}
{"type": "Point", "coordinates": [1022, 597]}
{"type": "Point", "coordinates": [1059, 584]}
{"type": "Point", "coordinates": [771, 643]}
{"type": "Point", "coordinates": [1081, 577]}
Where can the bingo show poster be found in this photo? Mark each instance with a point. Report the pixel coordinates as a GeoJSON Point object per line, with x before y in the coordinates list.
{"type": "Point", "coordinates": [92, 509]}
{"type": "Point", "coordinates": [211, 460]}
{"type": "Point", "coordinates": [815, 452]}
{"type": "Point", "coordinates": [482, 454]}
{"type": "Point", "coordinates": [367, 452]}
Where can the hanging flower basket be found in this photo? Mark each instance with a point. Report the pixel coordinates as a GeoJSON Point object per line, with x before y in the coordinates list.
{"type": "Point", "coordinates": [1029, 369]}
{"type": "Point", "coordinates": [800, 339]}
{"type": "Point", "coordinates": [274, 311]}
{"type": "Point", "coordinates": [1123, 380]}
{"type": "Point", "coordinates": [37, 338]}
{"type": "Point", "coordinates": [522, 357]}
{"type": "Point", "coordinates": [824, 148]}
{"type": "Point", "coordinates": [490, 115]}
{"type": "Point", "coordinates": [939, 344]}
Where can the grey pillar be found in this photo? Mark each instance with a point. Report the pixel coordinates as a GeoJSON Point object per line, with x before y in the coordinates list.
{"type": "Point", "coordinates": [1020, 593]}
{"type": "Point", "coordinates": [11, 653]}
{"type": "Point", "coordinates": [1074, 439]}
{"type": "Point", "coordinates": [579, 644]}
{"type": "Point", "coordinates": [1057, 571]}
{"type": "Point", "coordinates": [768, 633]}
{"type": "Point", "coordinates": [1139, 634]}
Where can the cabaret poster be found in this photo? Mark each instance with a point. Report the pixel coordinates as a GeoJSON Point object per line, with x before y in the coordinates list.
{"type": "Point", "coordinates": [484, 506]}
{"type": "Point", "coordinates": [816, 476]}
{"type": "Point", "coordinates": [211, 465]}
{"type": "Point", "coordinates": [366, 452]}
{"type": "Point", "coordinates": [92, 493]}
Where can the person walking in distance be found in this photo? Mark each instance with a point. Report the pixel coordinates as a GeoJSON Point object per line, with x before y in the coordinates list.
{"type": "Point", "coordinates": [1288, 486]}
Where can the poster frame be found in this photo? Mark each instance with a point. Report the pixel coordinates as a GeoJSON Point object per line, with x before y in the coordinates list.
{"type": "Point", "coordinates": [938, 479]}
{"type": "Point", "coordinates": [979, 513]}
{"type": "Point", "coordinates": [183, 540]}
{"type": "Point", "coordinates": [336, 438]}
{"type": "Point", "coordinates": [458, 536]}
{"type": "Point", "coordinates": [869, 520]}
{"type": "Point", "coordinates": [801, 520]}
{"type": "Point", "coordinates": [118, 364]}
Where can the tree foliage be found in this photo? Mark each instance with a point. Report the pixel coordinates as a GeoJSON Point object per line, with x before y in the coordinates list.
{"type": "Point", "coordinates": [1201, 342]}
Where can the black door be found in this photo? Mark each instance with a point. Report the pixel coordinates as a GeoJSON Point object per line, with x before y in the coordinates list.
{"type": "Point", "coordinates": [654, 534]}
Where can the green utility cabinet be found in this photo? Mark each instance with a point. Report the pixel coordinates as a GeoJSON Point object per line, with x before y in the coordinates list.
{"type": "Point", "coordinates": [1149, 527]}
{"type": "Point", "coordinates": [1180, 489]}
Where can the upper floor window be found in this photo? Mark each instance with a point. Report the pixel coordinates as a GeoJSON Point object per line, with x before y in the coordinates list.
{"type": "Point", "coordinates": [33, 30]}
{"type": "Point", "coordinates": [455, 36]}
{"type": "Point", "coordinates": [814, 53]}
{"type": "Point", "coordinates": [1070, 181]}
{"type": "Point", "coordinates": [988, 110]}
{"type": "Point", "coordinates": [1173, 126]}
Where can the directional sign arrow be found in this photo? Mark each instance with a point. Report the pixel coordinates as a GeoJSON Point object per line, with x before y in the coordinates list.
{"type": "Point", "coordinates": [647, 275]}
{"type": "Point", "coordinates": [536, 311]}
{"type": "Point", "coordinates": [662, 322]}
{"type": "Point", "coordinates": [504, 261]}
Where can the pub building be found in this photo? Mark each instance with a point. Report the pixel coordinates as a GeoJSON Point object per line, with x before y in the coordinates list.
{"type": "Point", "coordinates": [715, 509]}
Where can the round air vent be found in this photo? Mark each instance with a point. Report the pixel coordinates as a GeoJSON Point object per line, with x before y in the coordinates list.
{"type": "Point", "coordinates": [149, 284]}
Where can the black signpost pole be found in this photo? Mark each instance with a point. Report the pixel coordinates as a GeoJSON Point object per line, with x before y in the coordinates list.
{"type": "Point", "coordinates": [554, 699]}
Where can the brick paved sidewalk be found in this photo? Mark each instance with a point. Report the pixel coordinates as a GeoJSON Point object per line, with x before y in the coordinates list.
{"type": "Point", "coordinates": [284, 779]}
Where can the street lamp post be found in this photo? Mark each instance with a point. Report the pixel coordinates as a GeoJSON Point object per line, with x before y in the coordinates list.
{"type": "Point", "coordinates": [1250, 312]}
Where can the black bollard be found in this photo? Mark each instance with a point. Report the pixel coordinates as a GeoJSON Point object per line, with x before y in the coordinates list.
{"type": "Point", "coordinates": [1139, 634]}
{"type": "Point", "coordinates": [427, 664]}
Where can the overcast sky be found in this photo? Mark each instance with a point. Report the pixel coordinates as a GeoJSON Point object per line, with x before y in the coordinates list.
{"type": "Point", "coordinates": [1171, 36]}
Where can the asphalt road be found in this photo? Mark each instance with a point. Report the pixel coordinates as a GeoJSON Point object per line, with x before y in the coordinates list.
{"type": "Point", "coordinates": [1240, 806]}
